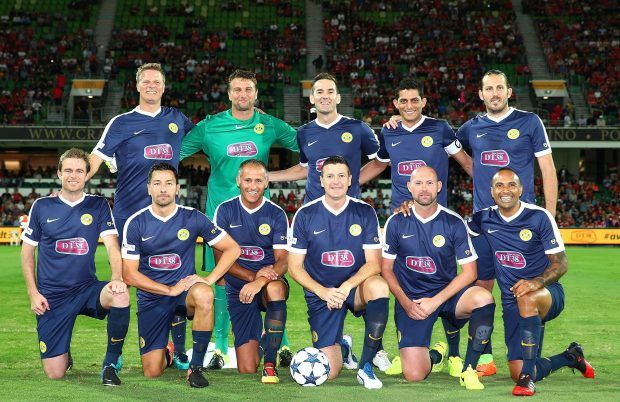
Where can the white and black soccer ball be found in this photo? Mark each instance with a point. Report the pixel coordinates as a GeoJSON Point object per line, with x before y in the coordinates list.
{"type": "Point", "coordinates": [310, 367]}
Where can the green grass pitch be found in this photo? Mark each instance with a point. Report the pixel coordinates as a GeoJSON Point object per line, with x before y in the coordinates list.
{"type": "Point", "coordinates": [590, 317]}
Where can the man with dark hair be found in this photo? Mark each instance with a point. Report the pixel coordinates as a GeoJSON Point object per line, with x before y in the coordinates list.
{"type": "Point", "coordinates": [66, 230]}
{"type": "Point", "coordinates": [159, 244]}
{"type": "Point", "coordinates": [227, 139]}
{"type": "Point", "coordinates": [334, 253]}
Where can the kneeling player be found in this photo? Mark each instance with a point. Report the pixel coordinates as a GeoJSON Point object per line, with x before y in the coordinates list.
{"type": "Point", "coordinates": [334, 253]}
{"type": "Point", "coordinates": [158, 258]}
{"type": "Point", "coordinates": [256, 281]}
{"type": "Point", "coordinates": [419, 264]}
{"type": "Point", "coordinates": [529, 261]}
{"type": "Point", "coordinates": [66, 230]}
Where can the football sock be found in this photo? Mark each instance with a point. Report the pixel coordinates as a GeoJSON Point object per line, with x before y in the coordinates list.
{"type": "Point", "coordinates": [178, 328]}
{"type": "Point", "coordinates": [344, 349]}
{"type": "Point", "coordinates": [201, 342]}
{"type": "Point", "coordinates": [530, 331]}
{"type": "Point", "coordinates": [540, 339]}
{"type": "Point", "coordinates": [275, 320]}
{"type": "Point", "coordinates": [222, 319]}
{"type": "Point", "coordinates": [480, 329]}
{"type": "Point", "coordinates": [284, 339]}
{"type": "Point", "coordinates": [435, 356]}
{"type": "Point", "coordinates": [375, 318]}
{"type": "Point", "coordinates": [453, 337]}
{"type": "Point", "coordinates": [546, 366]}
{"type": "Point", "coordinates": [118, 323]}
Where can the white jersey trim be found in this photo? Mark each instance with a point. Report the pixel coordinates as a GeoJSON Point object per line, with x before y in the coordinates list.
{"type": "Point", "coordinates": [388, 256]}
{"type": "Point", "coordinates": [499, 119]}
{"type": "Point", "coordinates": [294, 250]}
{"type": "Point", "coordinates": [28, 240]}
{"type": "Point", "coordinates": [473, 257]}
{"type": "Point", "coordinates": [410, 129]}
{"type": "Point", "coordinates": [108, 233]}
{"type": "Point", "coordinates": [330, 125]}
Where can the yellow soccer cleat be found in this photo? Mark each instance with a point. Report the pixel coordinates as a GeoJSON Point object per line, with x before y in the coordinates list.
{"type": "Point", "coordinates": [442, 348]}
{"type": "Point", "coordinates": [455, 366]}
{"type": "Point", "coordinates": [470, 380]}
{"type": "Point", "coordinates": [396, 368]}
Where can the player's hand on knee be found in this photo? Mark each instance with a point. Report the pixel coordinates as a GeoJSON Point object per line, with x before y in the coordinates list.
{"type": "Point", "coordinates": [248, 291]}
{"type": "Point", "coordinates": [393, 122]}
{"type": "Point", "coordinates": [39, 304]}
{"type": "Point", "coordinates": [191, 280]}
{"type": "Point", "coordinates": [525, 286]}
{"type": "Point", "coordinates": [267, 272]}
{"type": "Point", "coordinates": [414, 311]}
{"type": "Point", "coordinates": [427, 304]}
{"type": "Point", "coordinates": [178, 288]}
{"type": "Point", "coordinates": [334, 298]}
{"type": "Point", "coordinates": [117, 286]}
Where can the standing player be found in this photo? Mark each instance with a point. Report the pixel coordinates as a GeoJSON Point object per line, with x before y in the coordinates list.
{"type": "Point", "coordinates": [529, 260]}
{"type": "Point", "coordinates": [66, 230]}
{"type": "Point", "coordinates": [334, 253]}
{"type": "Point", "coordinates": [159, 245]}
{"type": "Point", "coordinates": [256, 281]}
{"type": "Point", "coordinates": [420, 255]}
{"type": "Point", "coordinates": [135, 141]}
{"type": "Point", "coordinates": [229, 138]}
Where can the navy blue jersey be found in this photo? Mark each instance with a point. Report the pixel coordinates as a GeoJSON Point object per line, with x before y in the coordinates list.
{"type": "Point", "coordinates": [520, 243]}
{"type": "Point", "coordinates": [166, 247]}
{"type": "Point", "coordinates": [334, 241]}
{"type": "Point", "coordinates": [426, 250]}
{"type": "Point", "coordinates": [346, 137]}
{"type": "Point", "coordinates": [513, 141]}
{"type": "Point", "coordinates": [257, 231]}
{"type": "Point", "coordinates": [67, 235]}
{"type": "Point", "coordinates": [136, 141]}
{"type": "Point", "coordinates": [428, 143]}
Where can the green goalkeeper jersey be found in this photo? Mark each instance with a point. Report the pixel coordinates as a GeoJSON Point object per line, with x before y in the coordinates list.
{"type": "Point", "coordinates": [228, 142]}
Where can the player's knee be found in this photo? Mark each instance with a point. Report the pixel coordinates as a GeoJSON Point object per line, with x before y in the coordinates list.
{"type": "Point", "coordinates": [247, 367]}
{"type": "Point", "coordinates": [54, 373]}
{"type": "Point", "coordinates": [527, 305]}
{"type": "Point", "coordinates": [415, 375]}
{"type": "Point", "coordinates": [202, 296]}
{"type": "Point", "coordinates": [152, 371]}
{"type": "Point", "coordinates": [482, 297]}
{"type": "Point", "coordinates": [334, 370]}
{"type": "Point", "coordinates": [120, 299]}
{"type": "Point", "coordinates": [377, 288]}
{"type": "Point", "coordinates": [275, 290]}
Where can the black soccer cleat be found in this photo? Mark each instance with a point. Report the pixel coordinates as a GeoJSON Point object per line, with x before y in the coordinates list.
{"type": "Point", "coordinates": [109, 376]}
{"type": "Point", "coordinates": [216, 362]}
{"type": "Point", "coordinates": [525, 386]}
{"type": "Point", "coordinates": [575, 352]}
{"type": "Point", "coordinates": [285, 356]}
{"type": "Point", "coordinates": [195, 377]}
{"type": "Point", "coordinates": [69, 361]}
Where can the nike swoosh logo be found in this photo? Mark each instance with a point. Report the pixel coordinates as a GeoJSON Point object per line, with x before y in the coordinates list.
{"type": "Point", "coordinates": [312, 143]}
{"type": "Point", "coordinates": [234, 226]}
{"type": "Point", "coordinates": [527, 344]}
{"type": "Point", "coordinates": [407, 236]}
{"type": "Point", "coordinates": [492, 231]}
{"type": "Point", "coordinates": [174, 324]}
{"type": "Point", "coordinates": [114, 340]}
{"type": "Point", "coordinates": [138, 132]}
{"type": "Point", "coordinates": [273, 331]}
{"type": "Point", "coordinates": [51, 220]}
{"type": "Point", "coordinates": [147, 238]}
{"type": "Point", "coordinates": [373, 338]}
{"type": "Point", "coordinates": [320, 231]}
{"type": "Point", "coordinates": [452, 332]}
{"type": "Point", "coordinates": [396, 143]}
{"type": "Point", "coordinates": [238, 127]}
{"type": "Point", "coordinates": [481, 135]}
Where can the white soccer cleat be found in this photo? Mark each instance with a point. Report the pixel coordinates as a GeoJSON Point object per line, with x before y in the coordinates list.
{"type": "Point", "coordinates": [350, 360]}
{"type": "Point", "coordinates": [381, 360]}
{"type": "Point", "coordinates": [366, 377]}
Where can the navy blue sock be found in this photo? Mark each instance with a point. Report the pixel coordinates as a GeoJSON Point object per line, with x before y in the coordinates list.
{"type": "Point", "coordinates": [488, 348]}
{"type": "Point", "coordinates": [541, 338]}
{"type": "Point", "coordinates": [453, 337]}
{"type": "Point", "coordinates": [480, 330]}
{"type": "Point", "coordinates": [177, 330]}
{"type": "Point", "coordinates": [275, 321]}
{"type": "Point", "coordinates": [118, 323]}
{"type": "Point", "coordinates": [435, 356]}
{"type": "Point", "coordinates": [530, 332]}
{"type": "Point", "coordinates": [375, 318]}
{"type": "Point", "coordinates": [201, 342]}
{"type": "Point", "coordinates": [344, 349]}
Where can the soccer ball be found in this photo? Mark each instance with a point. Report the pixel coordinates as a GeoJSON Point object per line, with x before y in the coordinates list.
{"type": "Point", "coordinates": [310, 367]}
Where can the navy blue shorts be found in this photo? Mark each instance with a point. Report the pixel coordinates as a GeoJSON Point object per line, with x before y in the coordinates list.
{"type": "Point", "coordinates": [55, 327]}
{"type": "Point", "coordinates": [326, 325]}
{"type": "Point", "coordinates": [155, 320]}
{"type": "Point", "coordinates": [512, 334]}
{"type": "Point", "coordinates": [246, 319]}
{"type": "Point", "coordinates": [486, 259]}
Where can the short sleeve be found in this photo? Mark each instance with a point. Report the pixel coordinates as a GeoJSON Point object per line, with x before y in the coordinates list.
{"type": "Point", "coordinates": [106, 222]}
{"type": "Point", "coordinates": [390, 247]}
{"type": "Point", "coordinates": [473, 224]}
{"type": "Point", "coordinates": [370, 143]}
{"type": "Point", "coordinates": [210, 232]}
{"type": "Point", "coordinates": [298, 240]}
{"type": "Point", "coordinates": [550, 234]}
{"type": "Point", "coordinates": [382, 154]}
{"type": "Point", "coordinates": [303, 159]}
{"type": "Point", "coordinates": [131, 240]}
{"type": "Point", "coordinates": [463, 248]}
{"type": "Point", "coordinates": [450, 143]}
{"type": "Point", "coordinates": [462, 134]}
{"type": "Point", "coordinates": [32, 232]}
{"type": "Point", "coordinates": [280, 228]}
{"type": "Point", "coordinates": [540, 139]}
{"type": "Point", "coordinates": [193, 141]}
{"type": "Point", "coordinates": [370, 231]}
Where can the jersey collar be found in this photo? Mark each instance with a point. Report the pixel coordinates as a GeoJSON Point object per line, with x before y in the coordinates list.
{"type": "Point", "coordinates": [69, 203]}
{"type": "Point", "coordinates": [248, 210]}
{"type": "Point", "coordinates": [330, 125]}
{"type": "Point", "coordinates": [410, 129]}
{"type": "Point", "coordinates": [144, 112]}
{"type": "Point", "coordinates": [497, 120]}
{"type": "Point", "coordinates": [333, 211]}
{"type": "Point", "coordinates": [430, 218]}
{"type": "Point", "coordinates": [163, 218]}
{"type": "Point", "coordinates": [515, 216]}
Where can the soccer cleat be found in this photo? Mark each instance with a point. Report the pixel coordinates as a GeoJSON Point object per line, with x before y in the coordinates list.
{"type": "Point", "coordinates": [381, 360]}
{"type": "Point", "coordinates": [109, 376]}
{"type": "Point", "coordinates": [469, 379]}
{"type": "Point", "coordinates": [396, 368]}
{"type": "Point", "coordinates": [195, 378]}
{"type": "Point", "coordinates": [350, 360]}
{"type": "Point", "coordinates": [270, 374]}
{"type": "Point", "coordinates": [442, 349]}
{"type": "Point", "coordinates": [119, 363]}
{"type": "Point", "coordinates": [486, 367]}
{"type": "Point", "coordinates": [180, 361]}
{"type": "Point", "coordinates": [69, 361]}
{"type": "Point", "coordinates": [285, 356]}
{"type": "Point", "coordinates": [366, 377]}
{"type": "Point", "coordinates": [217, 361]}
{"type": "Point", "coordinates": [169, 354]}
{"type": "Point", "coordinates": [575, 351]}
{"type": "Point", "coordinates": [525, 386]}
{"type": "Point", "coordinates": [455, 366]}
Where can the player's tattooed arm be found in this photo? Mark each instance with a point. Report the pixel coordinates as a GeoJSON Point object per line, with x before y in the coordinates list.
{"type": "Point", "coordinates": [558, 267]}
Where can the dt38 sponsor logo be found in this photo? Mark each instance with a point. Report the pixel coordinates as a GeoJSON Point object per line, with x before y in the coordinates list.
{"type": "Point", "coordinates": [165, 262]}
{"type": "Point", "coordinates": [497, 157]}
{"type": "Point", "coordinates": [252, 253]}
{"type": "Point", "coordinates": [405, 168]}
{"type": "Point", "coordinates": [511, 259]}
{"type": "Point", "coordinates": [339, 258]}
{"type": "Point", "coordinates": [242, 149]}
{"type": "Point", "coordinates": [423, 265]}
{"type": "Point", "coordinates": [158, 151]}
{"type": "Point", "coordinates": [75, 246]}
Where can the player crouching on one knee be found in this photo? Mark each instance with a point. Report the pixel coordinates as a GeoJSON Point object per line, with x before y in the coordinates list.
{"type": "Point", "coordinates": [529, 261]}
{"type": "Point", "coordinates": [158, 251]}
{"type": "Point", "coordinates": [256, 282]}
{"type": "Point", "coordinates": [334, 253]}
{"type": "Point", "coordinates": [420, 254]}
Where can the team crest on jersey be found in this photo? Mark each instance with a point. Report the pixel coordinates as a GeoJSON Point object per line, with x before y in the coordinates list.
{"type": "Point", "coordinates": [405, 168]}
{"type": "Point", "coordinates": [142, 343]}
{"type": "Point", "coordinates": [511, 259]}
{"type": "Point", "coordinates": [42, 347]}
{"type": "Point", "coordinates": [74, 246]}
{"type": "Point", "coordinates": [183, 234]}
{"type": "Point", "coordinates": [315, 336]}
{"type": "Point", "coordinates": [497, 157]}
{"type": "Point", "coordinates": [439, 241]}
{"type": "Point", "coordinates": [355, 230]}
{"type": "Point", "coordinates": [339, 258]}
{"type": "Point", "coordinates": [427, 141]}
{"type": "Point", "coordinates": [319, 164]}
{"type": "Point", "coordinates": [513, 134]}
{"type": "Point", "coordinates": [346, 137]}
{"type": "Point", "coordinates": [86, 219]}
{"type": "Point", "coordinates": [252, 253]}
{"type": "Point", "coordinates": [525, 235]}
{"type": "Point", "coordinates": [259, 128]}
{"type": "Point", "coordinates": [173, 127]}
{"type": "Point", "coordinates": [264, 229]}
{"type": "Point", "coordinates": [242, 149]}
{"type": "Point", "coordinates": [423, 265]}
{"type": "Point", "coordinates": [165, 262]}
{"type": "Point", "coordinates": [158, 151]}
